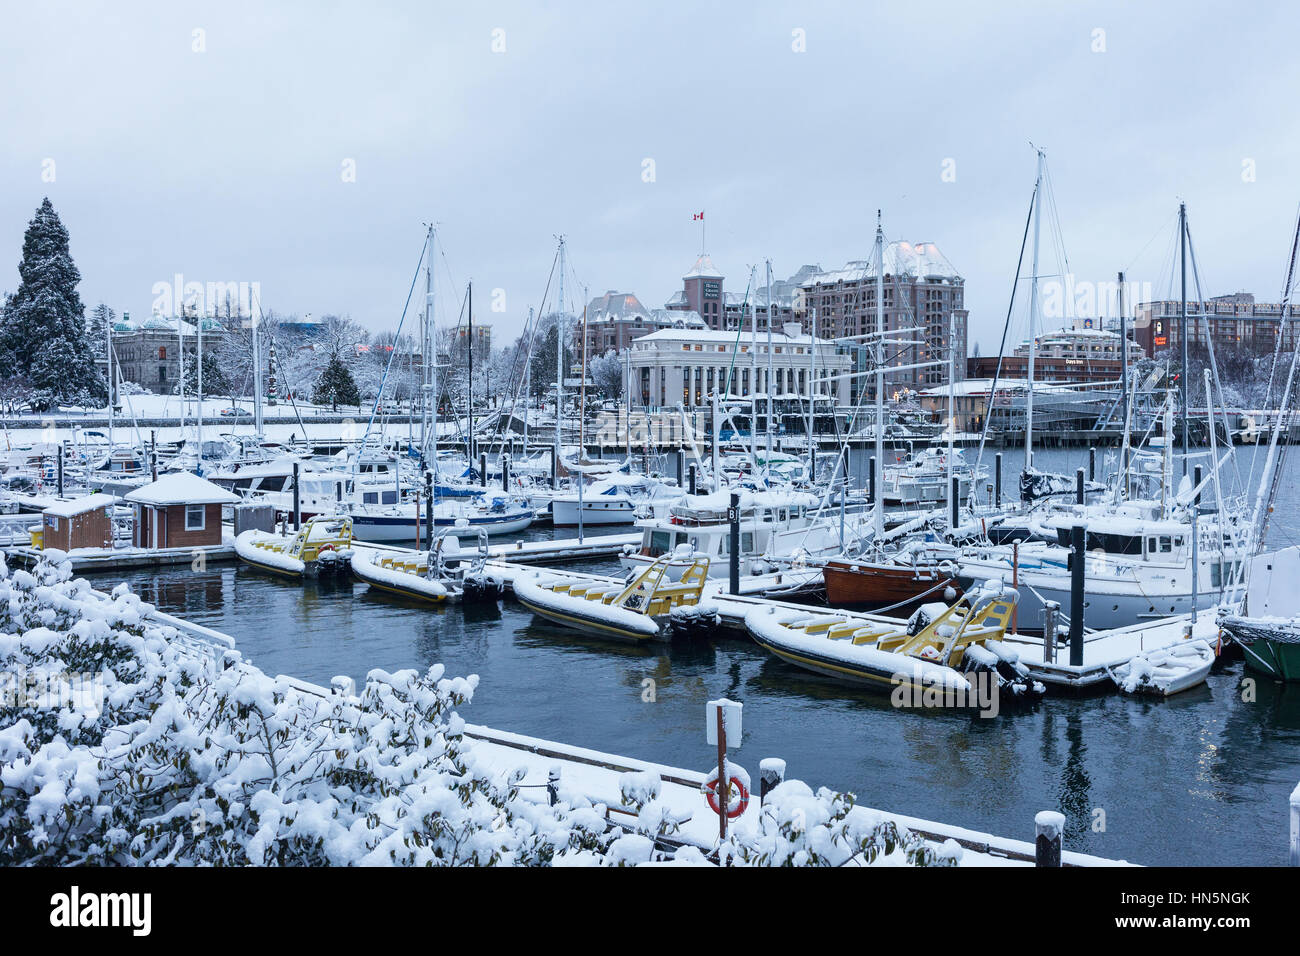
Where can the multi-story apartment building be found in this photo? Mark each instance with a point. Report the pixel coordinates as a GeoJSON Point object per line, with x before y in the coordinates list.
{"type": "Point", "coordinates": [1235, 320]}
{"type": "Point", "coordinates": [923, 295]}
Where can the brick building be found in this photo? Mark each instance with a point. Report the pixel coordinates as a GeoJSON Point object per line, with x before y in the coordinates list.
{"type": "Point", "coordinates": [922, 292]}
{"type": "Point", "coordinates": [1234, 320]}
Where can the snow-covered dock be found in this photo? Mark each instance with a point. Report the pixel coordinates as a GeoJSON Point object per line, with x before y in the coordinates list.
{"type": "Point", "coordinates": [86, 560]}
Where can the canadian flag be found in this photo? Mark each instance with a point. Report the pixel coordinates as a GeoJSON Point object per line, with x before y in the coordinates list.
{"type": "Point", "coordinates": [698, 215]}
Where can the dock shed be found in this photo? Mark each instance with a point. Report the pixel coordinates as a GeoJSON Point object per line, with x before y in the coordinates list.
{"type": "Point", "coordinates": [79, 523]}
{"type": "Point", "coordinates": [180, 510]}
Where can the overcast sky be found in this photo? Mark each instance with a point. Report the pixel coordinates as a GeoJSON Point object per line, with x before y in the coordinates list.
{"type": "Point", "coordinates": [222, 154]}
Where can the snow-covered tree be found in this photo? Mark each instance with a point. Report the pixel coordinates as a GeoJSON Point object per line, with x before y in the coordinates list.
{"type": "Point", "coordinates": [606, 373]}
{"type": "Point", "coordinates": [335, 386]}
{"type": "Point", "coordinates": [43, 335]}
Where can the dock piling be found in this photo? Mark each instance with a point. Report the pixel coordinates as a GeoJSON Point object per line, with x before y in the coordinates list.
{"type": "Point", "coordinates": [771, 774]}
{"type": "Point", "coordinates": [1048, 825]}
{"type": "Point", "coordinates": [953, 493]}
{"type": "Point", "coordinates": [1051, 618]}
{"type": "Point", "coordinates": [428, 504]}
{"type": "Point", "coordinates": [1092, 463]}
{"type": "Point", "coordinates": [505, 472]}
{"type": "Point", "coordinates": [690, 483]}
{"type": "Point", "coordinates": [482, 470]}
{"type": "Point", "coordinates": [1078, 486]}
{"type": "Point", "coordinates": [997, 480]}
{"type": "Point", "coordinates": [553, 784]}
{"type": "Point", "coordinates": [733, 554]}
{"type": "Point", "coordinates": [63, 450]}
{"type": "Point", "coordinates": [871, 479]}
{"type": "Point", "coordinates": [1077, 556]}
{"type": "Point", "coordinates": [297, 501]}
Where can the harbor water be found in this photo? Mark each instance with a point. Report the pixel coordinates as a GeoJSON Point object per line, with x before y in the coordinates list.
{"type": "Point", "coordinates": [1201, 778]}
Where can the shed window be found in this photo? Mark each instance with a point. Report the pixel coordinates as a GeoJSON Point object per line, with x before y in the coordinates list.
{"type": "Point", "coordinates": [195, 516]}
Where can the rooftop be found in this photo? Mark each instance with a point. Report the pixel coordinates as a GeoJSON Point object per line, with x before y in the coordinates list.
{"type": "Point", "coordinates": [902, 258]}
{"type": "Point", "coordinates": [182, 488]}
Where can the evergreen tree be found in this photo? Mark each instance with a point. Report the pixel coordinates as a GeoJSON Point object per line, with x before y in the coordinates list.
{"type": "Point", "coordinates": [102, 318]}
{"type": "Point", "coordinates": [215, 379]}
{"type": "Point", "coordinates": [336, 386]}
{"type": "Point", "coordinates": [43, 336]}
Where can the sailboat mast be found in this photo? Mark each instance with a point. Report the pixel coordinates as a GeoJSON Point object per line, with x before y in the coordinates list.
{"type": "Point", "coordinates": [768, 390]}
{"type": "Point", "coordinates": [428, 354]}
{"type": "Point", "coordinates": [1182, 323]}
{"type": "Point", "coordinates": [1033, 318]}
{"type": "Point", "coordinates": [877, 506]}
{"type": "Point", "coordinates": [1123, 378]}
{"type": "Point", "coordinates": [469, 411]}
{"type": "Point", "coordinates": [559, 360]}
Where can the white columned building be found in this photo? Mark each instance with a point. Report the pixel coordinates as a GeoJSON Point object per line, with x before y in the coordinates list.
{"type": "Point", "coordinates": [675, 367]}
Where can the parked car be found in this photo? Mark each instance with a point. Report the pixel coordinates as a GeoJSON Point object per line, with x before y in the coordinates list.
{"type": "Point", "coordinates": [236, 413]}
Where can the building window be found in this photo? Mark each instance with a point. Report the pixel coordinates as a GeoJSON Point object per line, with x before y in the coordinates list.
{"type": "Point", "coordinates": [195, 517]}
{"type": "Point", "coordinates": [162, 351]}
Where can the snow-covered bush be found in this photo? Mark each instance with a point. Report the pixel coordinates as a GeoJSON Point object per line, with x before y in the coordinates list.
{"type": "Point", "coordinates": [800, 828]}
{"type": "Point", "coordinates": [171, 752]}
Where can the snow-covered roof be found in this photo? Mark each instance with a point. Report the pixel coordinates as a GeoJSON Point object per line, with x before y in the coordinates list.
{"type": "Point", "coordinates": [902, 258]}
{"type": "Point", "coordinates": [728, 337]}
{"type": "Point", "coordinates": [182, 488]}
{"type": "Point", "coordinates": [79, 506]}
{"type": "Point", "coordinates": [703, 269]}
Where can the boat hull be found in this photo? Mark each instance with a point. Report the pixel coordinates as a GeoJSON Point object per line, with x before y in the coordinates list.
{"type": "Point", "coordinates": [1269, 648]}
{"type": "Point", "coordinates": [597, 510]}
{"type": "Point", "coordinates": [867, 586]}
{"type": "Point", "coordinates": [587, 617]}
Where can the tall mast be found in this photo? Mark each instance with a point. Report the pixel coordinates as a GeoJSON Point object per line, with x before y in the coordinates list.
{"type": "Point", "coordinates": [1182, 322]}
{"type": "Point", "coordinates": [1123, 383]}
{"type": "Point", "coordinates": [198, 322]}
{"type": "Point", "coordinates": [812, 458]}
{"type": "Point", "coordinates": [108, 354]}
{"type": "Point", "coordinates": [878, 512]}
{"type": "Point", "coordinates": [429, 357]}
{"type": "Point", "coordinates": [1033, 317]}
{"type": "Point", "coordinates": [582, 386]}
{"type": "Point", "coordinates": [559, 360]}
{"type": "Point", "coordinates": [768, 390]}
{"type": "Point", "coordinates": [180, 356]}
{"type": "Point", "coordinates": [753, 375]}
{"type": "Point", "coordinates": [470, 410]}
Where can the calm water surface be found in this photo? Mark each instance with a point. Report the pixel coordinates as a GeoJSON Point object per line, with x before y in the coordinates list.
{"type": "Point", "coordinates": [1200, 779]}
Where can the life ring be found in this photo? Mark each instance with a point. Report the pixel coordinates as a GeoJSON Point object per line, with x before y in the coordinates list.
{"type": "Point", "coordinates": [325, 547]}
{"type": "Point", "coordinates": [739, 803]}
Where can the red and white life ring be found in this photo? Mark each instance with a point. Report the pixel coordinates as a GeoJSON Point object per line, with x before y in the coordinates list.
{"type": "Point", "coordinates": [738, 802]}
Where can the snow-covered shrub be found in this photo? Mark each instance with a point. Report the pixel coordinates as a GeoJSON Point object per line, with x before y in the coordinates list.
{"type": "Point", "coordinates": [800, 828]}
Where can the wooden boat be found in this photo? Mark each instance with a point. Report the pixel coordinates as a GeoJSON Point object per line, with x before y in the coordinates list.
{"type": "Point", "coordinates": [639, 611]}
{"type": "Point", "coordinates": [1167, 671]}
{"type": "Point", "coordinates": [936, 652]}
{"type": "Point", "coordinates": [319, 545]}
{"type": "Point", "coordinates": [897, 587]}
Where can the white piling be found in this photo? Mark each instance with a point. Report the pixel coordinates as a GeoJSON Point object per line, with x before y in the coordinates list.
{"type": "Point", "coordinates": [1295, 826]}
